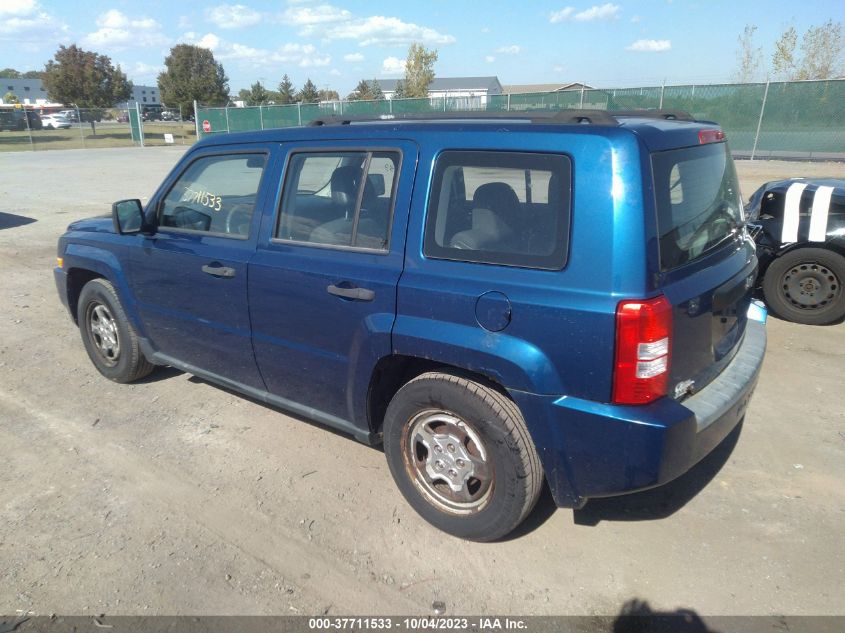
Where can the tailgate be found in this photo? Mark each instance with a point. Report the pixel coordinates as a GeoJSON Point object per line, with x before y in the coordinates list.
{"type": "Point", "coordinates": [707, 262]}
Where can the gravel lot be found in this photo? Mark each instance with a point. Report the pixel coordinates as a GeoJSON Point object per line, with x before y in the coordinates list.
{"type": "Point", "coordinates": [176, 497]}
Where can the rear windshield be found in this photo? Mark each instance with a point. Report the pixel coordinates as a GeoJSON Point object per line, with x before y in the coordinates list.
{"type": "Point", "coordinates": [698, 202]}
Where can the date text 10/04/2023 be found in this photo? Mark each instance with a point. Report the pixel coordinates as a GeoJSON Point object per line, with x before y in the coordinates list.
{"type": "Point", "coordinates": [480, 624]}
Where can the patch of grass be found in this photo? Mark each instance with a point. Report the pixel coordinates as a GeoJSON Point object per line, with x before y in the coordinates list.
{"type": "Point", "coordinates": [108, 134]}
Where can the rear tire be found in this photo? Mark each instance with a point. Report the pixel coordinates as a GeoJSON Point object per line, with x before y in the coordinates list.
{"type": "Point", "coordinates": [461, 455]}
{"type": "Point", "coordinates": [108, 336]}
{"type": "Point", "coordinates": [805, 286]}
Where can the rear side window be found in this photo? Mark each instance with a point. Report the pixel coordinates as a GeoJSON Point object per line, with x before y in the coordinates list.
{"type": "Point", "coordinates": [698, 202]}
{"type": "Point", "coordinates": [339, 198]}
{"type": "Point", "coordinates": [215, 194]}
{"type": "Point", "coordinates": [507, 208]}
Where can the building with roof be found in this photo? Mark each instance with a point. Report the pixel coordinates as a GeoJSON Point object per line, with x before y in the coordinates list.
{"type": "Point", "coordinates": [28, 91]}
{"type": "Point", "coordinates": [521, 89]}
{"type": "Point", "coordinates": [33, 92]}
{"type": "Point", "coordinates": [469, 92]}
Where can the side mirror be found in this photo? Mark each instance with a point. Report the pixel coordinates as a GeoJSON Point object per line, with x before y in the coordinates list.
{"type": "Point", "coordinates": [377, 182]}
{"type": "Point", "coordinates": [128, 216]}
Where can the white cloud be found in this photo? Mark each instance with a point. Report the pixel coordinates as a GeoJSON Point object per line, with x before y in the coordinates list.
{"type": "Point", "coordinates": [562, 15]}
{"type": "Point", "coordinates": [233, 16]}
{"type": "Point", "coordinates": [559, 68]}
{"type": "Point", "coordinates": [333, 23]}
{"type": "Point", "coordinates": [26, 23]}
{"type": "Point", "coordinates": [140, 70]}
{"type": "Point", "coordinates": [605, 11]}
{"type": "Point", "coordinates": [13, 7]}
{"type": "Point", "coordinates": [489, 59]}
{"type": "Point", "coordinates": [303, 55]}
{"type": "Point", "coordinates": [118, 31]}
{"type": "Point", "coordinates": [393, 66]}
{"type": "Point", "coordinates": [321, 14]}
{"type": "Point", "coordinates": [485, 29]}
{"type": "Point", "coordinates": [635, 19]}
{"type": "Point", "coordinates": [508, 50]}
{"type": "Point", "coordinates": [334, 72]}
{"type": "Point", "coordinates": [650, 46]}
{"type": "Point", "coordinates": [353, 57]}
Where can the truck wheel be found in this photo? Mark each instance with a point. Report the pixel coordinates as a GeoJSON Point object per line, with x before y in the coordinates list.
{"type": "Point", "coordinates": [461, 455]}
{"type": "Point", "coordinates": [805, 286]}
{"type": "Point", "coordinates": [109, 338]}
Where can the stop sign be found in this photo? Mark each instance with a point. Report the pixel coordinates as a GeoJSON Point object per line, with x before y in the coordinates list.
{"type": "Point", "coordinates": [206, 126]}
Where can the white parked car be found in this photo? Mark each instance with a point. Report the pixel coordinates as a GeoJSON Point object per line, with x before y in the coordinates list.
{"type": "Point", "coordinates": [55, 121]}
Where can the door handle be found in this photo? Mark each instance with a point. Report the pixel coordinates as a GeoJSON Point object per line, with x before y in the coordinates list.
{"type": "Point", "coordinates": [219, 271]}
{"type": "Point", "coordinates": [357, 294]}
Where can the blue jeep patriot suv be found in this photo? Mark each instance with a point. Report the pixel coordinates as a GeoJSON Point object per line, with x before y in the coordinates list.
{"type": "Point", "coordinates": [499, 299]}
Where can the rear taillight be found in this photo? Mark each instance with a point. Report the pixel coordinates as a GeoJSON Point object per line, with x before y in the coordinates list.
{"type": "Point", "coordinates": [643, 349]}
{"type": "Point", "coordinates": [710, 136]}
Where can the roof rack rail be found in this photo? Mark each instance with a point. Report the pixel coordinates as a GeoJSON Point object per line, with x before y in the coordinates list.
{"type": "Point", "coordinates": [595, 117]}
{"type": "Point", "coordinates": [667, 115]}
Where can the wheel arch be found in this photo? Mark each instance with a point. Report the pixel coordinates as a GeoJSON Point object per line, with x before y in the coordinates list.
{"type": "Point", "coordinates": [394, 371]}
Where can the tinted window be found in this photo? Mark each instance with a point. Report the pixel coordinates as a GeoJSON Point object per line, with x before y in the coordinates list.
{"type": "Point", "coordinates": [506, 208]}
{"type": "Point", "coordinates": [698, 201]}
{"type": "Point", "coordinates": [339, 198]}
{"type": "Point", "coordinates": [215, 194]}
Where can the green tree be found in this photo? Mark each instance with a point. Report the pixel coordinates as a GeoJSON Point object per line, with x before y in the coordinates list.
{"type": "Point", "coordinates": [192, 74]}
{"type": "Point", "coordinates": [10, 97]}
{"type": "Point", "coordinates": [399, 91]}
{"type": "Point", "coordinates": [419, 70]}
{"type": "Point", "coordinates": [362, 92]}
{"type": "Point", "coordinates": [821, 53]}
{"type": "Point", "coordinates": [257, 94]}
{"type": "Point", "coordinates": [327, 94]}
{"type": "Point", "coordinates": [9, 73]}
{"type": "Point", "coordinates": [749, 58]}
{"type": "Point", "coordinates": [783, 59]}
{"type": "Point", "coordinates": [86, 80]}
{"type": "Point", "coordinates": [33, 74]}
{"type": "Point", "coordinates": [375, 89]}
{"type": "Point", "coordinates": [309, 93]}
{"type": "Point", "coordinates": [287, 93]}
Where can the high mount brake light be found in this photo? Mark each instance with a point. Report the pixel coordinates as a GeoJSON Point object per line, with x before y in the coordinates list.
{"type": "Point", "coordinates": [643, 349]}
{"type": "Point", "coordinates": [710, 136]}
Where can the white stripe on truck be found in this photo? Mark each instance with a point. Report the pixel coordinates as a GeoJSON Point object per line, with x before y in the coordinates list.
{"type": "Point", "coordinates": [818, 219]}
{"type": "Point", "coordinates": [791, 208]}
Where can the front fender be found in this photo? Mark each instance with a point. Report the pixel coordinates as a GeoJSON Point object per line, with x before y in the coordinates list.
{"type": "Point", "coordinates": [103, 262]}
{"type": "Point", "coordinates": [512, 362]}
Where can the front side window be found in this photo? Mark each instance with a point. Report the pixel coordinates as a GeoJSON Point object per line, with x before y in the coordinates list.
{"type": "Point", "coordinates": [508, 208]}
{"type": "Point", "coordinates": [339, 198]}
{"type": "Point", "coordinates": [215, 194]}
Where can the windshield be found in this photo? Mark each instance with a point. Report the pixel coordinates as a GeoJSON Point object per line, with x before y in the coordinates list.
{"type": "Point", "coordinates": [698, 201]}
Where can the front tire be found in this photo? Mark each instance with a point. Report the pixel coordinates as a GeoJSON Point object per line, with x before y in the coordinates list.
{"type": "Point", "coordinates": [461, 455]}
{"type": "Point", "coordinates": [805, 286]}
{"type": "Point", "coordinates": [108, 336]}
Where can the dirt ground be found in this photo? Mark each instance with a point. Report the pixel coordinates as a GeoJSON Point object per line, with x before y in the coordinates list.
{"type": "Point", "coordinates": [173, 496]}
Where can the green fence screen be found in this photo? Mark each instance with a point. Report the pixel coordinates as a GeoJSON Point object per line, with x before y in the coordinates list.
{"type": "Point", "coordinates": [803, 119]}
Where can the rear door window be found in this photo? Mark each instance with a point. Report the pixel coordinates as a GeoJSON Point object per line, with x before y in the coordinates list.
{"type": "Point", "coordinates": [506, 208]}
{"type": "Point", "coordinates": [698, 202]}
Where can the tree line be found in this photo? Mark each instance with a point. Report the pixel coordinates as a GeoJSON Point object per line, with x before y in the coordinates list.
{"type": "Point", "coordinates": [820, 55]}
{"type": "Point", "coordinates": [89, 80]}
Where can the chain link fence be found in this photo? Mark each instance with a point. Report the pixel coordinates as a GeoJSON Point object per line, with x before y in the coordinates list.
{"type": "Point", "coordinates": [803, 119]}
{"type": "Point", "coordinates": [40, 128]}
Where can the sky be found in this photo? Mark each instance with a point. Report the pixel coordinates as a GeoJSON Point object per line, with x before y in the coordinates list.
{"type": "Point", "coordinates": [336, 43]}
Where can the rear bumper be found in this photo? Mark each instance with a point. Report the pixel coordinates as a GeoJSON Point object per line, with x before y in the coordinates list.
{"type": "Point", "coordinates": [590, 449]}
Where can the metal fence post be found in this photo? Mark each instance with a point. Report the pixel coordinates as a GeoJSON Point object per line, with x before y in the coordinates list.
{"type": "Point", "coordinates": [662, 91]}
{"type": "Point", "coordinates": [79, 122]}
{"type": "Point", "coordinates": [299, 112]}
{"type": "Point", "coordinates": [581, 105]}
{"type": "Point", "coordinates": [341, 107]}
{"type": "Point", "coordinates": [390, 105]}
{"type": "Point", "coordinates": [760, 120]}
{"type": "Point", "coordinates": [196, 119]}
{"type": "Point", "coordinates": [261, 116]}
{"type": "Point", "coordinates": [509, 102]}
{"type": "Point", "coordinates": [140, 123]}
{"type": "Point", "coordinates": [227, 119]}
{"type": "Point", "coordinates": [28, 128]}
